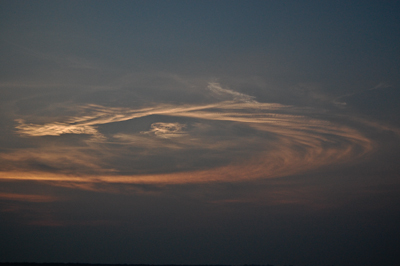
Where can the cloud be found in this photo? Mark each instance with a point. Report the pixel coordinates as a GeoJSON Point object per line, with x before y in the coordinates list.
{"type": "Point", "coordinates": [231, 140]}
{"type": "Point", "coordinates": [26, 197]}
{"type": "Point", "coordinates": [166, 130]}
{"type": "Point", "coordinates": [57, 159]}
{"type": "Point", "coordinates": [237, 96]}
{"type": "Point", "coordinates": [227, 141]}
{"type": "Point", "coordinates": [53, 129]}
{"type": "Point", "coordinates": [381, 85]}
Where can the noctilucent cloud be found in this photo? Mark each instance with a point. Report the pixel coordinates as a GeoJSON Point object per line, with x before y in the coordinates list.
{"type": "Point", "coordinates": [200, 132]}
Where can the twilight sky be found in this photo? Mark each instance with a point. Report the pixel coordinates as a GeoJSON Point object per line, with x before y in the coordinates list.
{"type": "Point", "coordinates": [200, 132]}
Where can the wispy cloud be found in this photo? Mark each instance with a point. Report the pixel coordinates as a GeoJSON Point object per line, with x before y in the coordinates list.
{"type": "Point", "coordinates": [166, 130]}
{"type": "Point", "coordinates": [237, 96]}
{"type": "Point", "coordinates": [229, 141]}
{"type": "Point", "coordinates": [381, 85]}
{"type": "Point", "coordinates": [53, 129]}
{"type": "Point", "coordinates": [26, 197]}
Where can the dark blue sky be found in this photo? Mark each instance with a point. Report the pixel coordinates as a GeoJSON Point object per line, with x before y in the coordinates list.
{"type": "Point", "coordinates": [200, 132]}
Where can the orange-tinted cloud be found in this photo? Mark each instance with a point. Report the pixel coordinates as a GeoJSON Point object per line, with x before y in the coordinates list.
{"type": "Point", "coordinates": [26, 197]}
{"type": "Point", "coordinates": [285, 141]}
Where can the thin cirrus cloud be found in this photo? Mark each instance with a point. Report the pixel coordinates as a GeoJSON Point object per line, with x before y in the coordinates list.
{"type": "Point", "coordinates": [26, 197]}
{"type": "Point", "coordinates": [231, 140]}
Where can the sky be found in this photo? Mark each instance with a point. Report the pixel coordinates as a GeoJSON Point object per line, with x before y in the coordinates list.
{"type": "Point", "coordinates": [200, 132]}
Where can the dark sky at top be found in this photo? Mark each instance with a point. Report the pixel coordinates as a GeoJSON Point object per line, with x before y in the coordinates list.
{"type": "Point", "coordinates": [200, 132]}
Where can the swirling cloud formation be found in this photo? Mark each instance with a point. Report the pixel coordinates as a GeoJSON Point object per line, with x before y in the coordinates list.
{"type": "Point", "coordinates": [231, 140]}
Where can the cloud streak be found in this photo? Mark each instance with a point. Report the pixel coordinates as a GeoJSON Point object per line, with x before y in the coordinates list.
{"type": "Point", "coordinates": [237, 96]}
{"type": "Point", "coordinates": [26, 197]}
